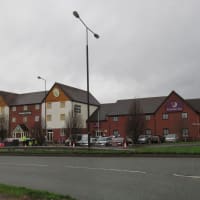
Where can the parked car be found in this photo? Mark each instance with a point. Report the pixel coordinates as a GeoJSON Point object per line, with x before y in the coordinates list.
{"type": "Point", "coordinates": [104, 141]}
{"type": "Point", "coordinates": [171, 138]}
{"type": "Point", "coordinates": [11, 141]}
{"type": "Point", "coordinates": [118, 141]}
{"type": "Point", "coordinates": [144, 139]}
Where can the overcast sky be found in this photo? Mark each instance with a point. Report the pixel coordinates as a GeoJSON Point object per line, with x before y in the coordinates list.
{"type": "Point", "coordinates": [146, 47]}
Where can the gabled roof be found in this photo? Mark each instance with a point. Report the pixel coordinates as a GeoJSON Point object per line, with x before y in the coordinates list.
{"type": "Point", "coordinates": [77, 95]}
{"type": "Point", "coordinates": [123, 107]}
{"type": "Point", "coordinates": [147, 105]}
{"type": "Point", "coordinates": [28, 98]}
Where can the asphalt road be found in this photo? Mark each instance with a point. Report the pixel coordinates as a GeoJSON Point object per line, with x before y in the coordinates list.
{"type": "Point", "coordinates": [106, 178]}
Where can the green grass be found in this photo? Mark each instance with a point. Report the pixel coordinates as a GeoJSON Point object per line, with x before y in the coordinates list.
{"type": "Point", "coordinates": [170, 150]}
{"type": "Point", "coordinates": [18, 192]}
{"type": "Point", "coordinates": [147, 149]}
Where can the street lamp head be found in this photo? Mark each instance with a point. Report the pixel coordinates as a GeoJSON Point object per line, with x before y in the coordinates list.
{"type": "Point", "coordinates": [75, 13]}
{"type": "Point", "coordinates": [96, 36]}
{"type": "Point", "coordinates": [39, 77]}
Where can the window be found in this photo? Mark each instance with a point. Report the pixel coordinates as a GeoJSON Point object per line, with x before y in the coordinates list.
{"type": "Point", "coordinates": [37, 118]}
{"type": "Point", "coordinates": [25, 107]}
{"type": "Point", "coordinates": [116, 133]}
{"type": "Point", "coordinates": [25, 119]}
{"type": "Point", "coordinates": [1, 110]}
{"type": "Point", "coordinates": [115, 118]}
{"type": "Point", "coordinates": [165, 116]}
{"type": "Point", "coordinates": [62, 117]}
{"type": "Point", "coordinates": [77, 108]}
{"type": "Point", "coordinates": [184, 115]}
{"type": "Point", "coordinates": [49, 118]}
{"type": "Point", "coordinates": [165, 131]}
{"type": "Point", "coordinates": [148, 131]}
{"type": "Point", "coordinates": [62, 132]}
{"type": "Point", "coordinates": [147, 117]}
{"type": "Point", "coordinates": [48, 105]}
{"type": "Point", "coordinates": [13, 108]}
{"type": "Point", "coordinates": [62, 104]}
{"type": "Point", "coordinates": [185, 132]}
{"type": "Point", "coordinates": [37, 106]}
{"type": "Point", "coordinates": [13, 119]}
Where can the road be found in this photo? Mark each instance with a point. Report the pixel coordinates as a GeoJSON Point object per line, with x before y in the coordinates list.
{"type": "Point", "coordinates": [106, 178]}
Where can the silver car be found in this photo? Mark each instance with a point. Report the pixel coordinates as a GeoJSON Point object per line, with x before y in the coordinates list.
{"type": "Point", "coordinates": [171, 138]}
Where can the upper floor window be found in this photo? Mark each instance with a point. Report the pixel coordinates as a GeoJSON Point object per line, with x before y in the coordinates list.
{"type": "Point", "coordinates": [115, 118]}
{"type": "Point", "coordinates": [37, 118]}
{"type": "Point", "coordinates": [49, 117]}
{"type": "Point", "coordinates": [77, 108]}
{"type": "Point", "coordinates": [37, 106]}
{"type": "Point", "coordinates": [14, 108]}
{"type": "Point", "coordinates": [62, 117]}
{"type": "Point", "coordinates": [62, 104]}
{"type": "Point", "coordinates": [1, 110]}
{"type": "Point", "coordinates": [147, 117]}
{"type": "Point", "coordinates": [25, 119]}
{"type": "Point", "coordinates": [184, 115]}
{"type": "Point", "coordinates": [165, 116]}
{"type": "Point", "coordinates": [48, 105]}
{"type": "Point", "coordinates": [25, 107]}
{"type": "Point", "coordinates": [13, 119]}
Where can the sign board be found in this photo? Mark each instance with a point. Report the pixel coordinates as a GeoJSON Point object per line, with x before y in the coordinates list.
{"type": "Point", "coordinates": [174, 106]}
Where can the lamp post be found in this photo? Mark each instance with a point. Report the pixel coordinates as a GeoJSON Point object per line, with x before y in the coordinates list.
{"type": "Point", "coordinates": [45, 111]}
{"type": "Point", "coordinates": [75, 13]}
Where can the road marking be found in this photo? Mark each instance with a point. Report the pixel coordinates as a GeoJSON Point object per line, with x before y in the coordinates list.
{"type": "Point", "coordinates": [106, 169]}
{"type": "Point", "coordinates": [184, 176]}
{"type": "Point", "coordinates": [24, 165]}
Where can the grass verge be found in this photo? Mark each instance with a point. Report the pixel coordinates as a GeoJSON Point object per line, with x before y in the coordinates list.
{"type": "Point", "coordinates": [21, 192]}
{"type": "Point", "coordinates": [136, 150]}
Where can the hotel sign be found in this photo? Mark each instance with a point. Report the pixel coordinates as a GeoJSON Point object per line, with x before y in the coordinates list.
{"type": "Point", "coordinates": [25, 113]}
{"type": "Point", "coordinates": [174, 106]}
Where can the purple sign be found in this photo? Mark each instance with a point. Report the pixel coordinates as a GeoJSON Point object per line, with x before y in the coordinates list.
{"type": "Point", "coordinates": [174, 106]}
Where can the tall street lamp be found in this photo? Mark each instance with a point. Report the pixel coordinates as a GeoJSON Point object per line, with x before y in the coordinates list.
{"type": "Point", "coordinates": [75, 13]}
{"type": "Point", "coordinates": [45, 112]}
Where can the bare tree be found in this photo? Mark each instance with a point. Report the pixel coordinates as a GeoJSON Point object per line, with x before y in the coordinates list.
{"type": "Point", "coordinates": [136, 121]}
{"type": "Point", "coordinates": [74, 123]}
{"type": "Point", "coordinates": [38, 133]}
{"type": "Point", "coordinates": [3, 126]}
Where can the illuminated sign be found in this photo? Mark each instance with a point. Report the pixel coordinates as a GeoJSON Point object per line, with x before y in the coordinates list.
{"type": "Point", "coordinates": [174, 106]}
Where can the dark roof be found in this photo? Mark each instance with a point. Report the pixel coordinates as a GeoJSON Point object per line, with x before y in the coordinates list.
{"type": "Point", "coordinates": [77, 94]}
{"type": "Point", "coordinates": [8, 96]}
{"type": "Point", "coordinates": [147, 106]}
{"type": "Point", "coordinates": [194, 103]}
{"type": "Point", "coordinates": [123, 107]}
{"type": "Point", "coordinates": [28, 98]}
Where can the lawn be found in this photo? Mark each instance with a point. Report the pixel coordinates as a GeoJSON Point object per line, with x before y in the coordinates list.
{"type": "Point", "coordinates": [13, 192]}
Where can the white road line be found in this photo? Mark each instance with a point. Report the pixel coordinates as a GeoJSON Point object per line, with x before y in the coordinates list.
{"type": "Point", "coordinates": [184, 176]}
{"type": "Point", "coordinates": [23, 165]}
{"type": "Point", "coordinates": [106, 169]}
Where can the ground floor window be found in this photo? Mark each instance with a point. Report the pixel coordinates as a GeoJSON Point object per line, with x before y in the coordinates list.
{"type": "Point", "coordinates": [116, 133]}
{"type": "Point", "coordinates": [185, 132]}
{"type": "Point", "coordinates": [148, 132]}
{"type": "Point", "coordinates": [165, 131]}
